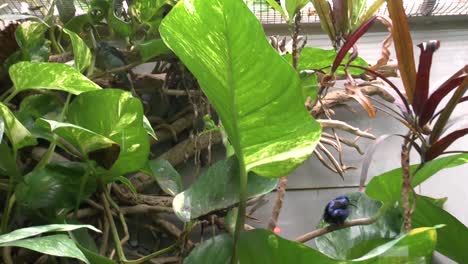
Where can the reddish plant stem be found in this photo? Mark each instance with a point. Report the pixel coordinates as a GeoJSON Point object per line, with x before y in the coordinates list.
{"type": "Point", "coordinates": [406, 186]}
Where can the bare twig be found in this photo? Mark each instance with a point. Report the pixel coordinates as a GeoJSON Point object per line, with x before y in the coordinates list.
{"type": "Point", "coordinates": [280, 191]}
{"type": "Point", "coordinates": [322, 231]}
{"type": "Point", "coordinates": [336, 124]}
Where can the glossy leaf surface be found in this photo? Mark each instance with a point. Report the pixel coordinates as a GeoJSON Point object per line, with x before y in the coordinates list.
{"type": "Point", "coordinates": [256, 93]}
{"type": "Point", "coordinates": [387, 186]}
{"type": "Point", "coordinates": [216, 250]}
{"type": "Point", "coordinates": [81, 52]}
{"type": "Point", "coordinates": [263, 247]}
{"type": "Point", "coordinates": [55, 186]}
{"type": "Point", "coordinates": [116, 115]}
{"type": "Point", "coordinates": [166, 176]}
{"type": "Point", "coordinates": [321, 59]}
{"type": "Point", "coordinates": [37, 230]}
{"type": "Point", "coordinates": [216, 189]}
{"type": "Point", "coordinates": [18, 135]}
{"type": "Point", "coordinates": [55, 245]}
{"type": "Point", "coordinates": [343, 244]}
{"type": "Point", "coordinates": [427, 213]}
{"type": "Point", "coordinates": [52, 76]}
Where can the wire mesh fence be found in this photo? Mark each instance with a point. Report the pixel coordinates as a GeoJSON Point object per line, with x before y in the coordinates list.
{"type": "Point", "coordinates": [262, 10]}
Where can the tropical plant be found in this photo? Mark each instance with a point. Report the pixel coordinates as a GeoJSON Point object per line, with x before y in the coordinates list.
{"type": "Point", "coordinates": [87, 140]}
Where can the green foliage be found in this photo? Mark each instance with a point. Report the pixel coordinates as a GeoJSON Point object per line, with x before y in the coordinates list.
{"type": "Point", "coordinates": [260, 246]}
{"type": "Point", "coordinates": [216, 250]}
{"type": "Point", "coordinates": [264, 118]}
{"type": "Point", "coordinates": [387, 186]}
{"type": "Point", "coordinates": [167, 177]}
{"type": "Point", "coordinates": [217, 188]}
{"type": "Point", "coordinates": [56, 245]}
{"type": "Point", "coordinates": [321, 59]}
{"type": "Point", "coordinates": [52, 76]}
{"type": "Point", "coordinates": [18, 135]}
{"type": "Point", "coordinates": [81, 51]}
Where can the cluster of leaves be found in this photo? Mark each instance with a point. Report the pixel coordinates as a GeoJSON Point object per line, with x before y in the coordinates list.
{"type": "Point", "coordinates": [259, 99]}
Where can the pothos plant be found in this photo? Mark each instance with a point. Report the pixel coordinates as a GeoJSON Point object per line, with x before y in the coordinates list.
{"type": "Point", "coordinates": [69, 143]}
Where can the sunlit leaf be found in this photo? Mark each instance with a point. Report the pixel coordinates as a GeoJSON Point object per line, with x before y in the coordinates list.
{"type": "Point", "coordinates": [18, 135]}
{"type": "Point", "coordinates": [216, 189]}
{"type": "Point", "coordinates": [81, 52]}
{"type": "Point", "coordinates": [345, 243]}
{"type": "Point", "coordinates": [403, 46]}
{"type": "Point", "coordinates": [117, 115]}
{"type": "Point", "coordinates": [52, 76]}
{"type": "Point", "coordinates": [321, 59]}
{"type": "Point", "coordinates": [292, 7]}
{"type": "Point", "coordinates": [255, 92]}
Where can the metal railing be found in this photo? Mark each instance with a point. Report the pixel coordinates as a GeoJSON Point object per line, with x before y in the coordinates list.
{"type": "Point", "coordinates": [263, 11]}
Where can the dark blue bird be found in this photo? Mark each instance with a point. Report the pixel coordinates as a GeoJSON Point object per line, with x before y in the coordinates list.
{"type": "Point", "coordinates": [337, 210]}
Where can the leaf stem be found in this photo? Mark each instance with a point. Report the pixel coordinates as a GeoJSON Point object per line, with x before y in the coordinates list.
{"type": "Point", "coordinates": [152, 255]}
{"type": "Point", "coordinates": [242, 207]}
{"type": "Point", "coordinates": [115, 235]}
{"type": "Point", "coordinates": [10, 96]}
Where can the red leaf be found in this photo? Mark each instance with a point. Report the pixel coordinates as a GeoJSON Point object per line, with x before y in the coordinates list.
{"type": "Point", "coordinates": [442, 144]}
{"type": "Point", "coordinates": [422, 77]}
{"type": "Point", "coordinates": [436, 97]}
{"type": "Point", "coordinates": [352, 39]}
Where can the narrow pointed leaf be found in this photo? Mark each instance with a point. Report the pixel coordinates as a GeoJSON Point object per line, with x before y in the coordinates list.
{"type": "Point", "coordinates": [18, 135]}
{"type": "Point", "coordinates": [447, 112]}
{"type": "Point", "coordinates": [436, 97]}
{"type": "Point", "coordinates": [37, 230]}
{"type": "Point", "coordinates": [403, 46]}
{"type": "Point", "coordinates": [323, 9]}
{"type": "Point", "coordinates": [369, 12]}
{"type": "Point", "coordinates": [422, 78]}
{"type": "Point", "coordinates": [442, 144]}
{"type": "Point", "coordinates": [264, 118]}
{"type": "Point", "coordinates": [294, 6]}
{"type": "Point", "coordinates": [81, 52]}
{"type": "Point", "coordinates": [55, 245]}
{"type": "Point", "coordinates": [52, 76]}
{"type": "Point", "coordinates": [278, 8]}
{"type": "Point", "coordinates": [352, 39]}
{"type": "Point", "coordinates": [387, 186]}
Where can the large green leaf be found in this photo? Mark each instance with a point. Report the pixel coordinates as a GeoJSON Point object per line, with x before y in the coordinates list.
{"type": "Point", "coordinates": [37, 230]}
{"type": "Point", "coordinates": [81, 52]}
{"type": "Point", "coordinates": [18, 135]}
{"type": "Point", "coordinates": [53, 76]}
{"type": "Point", "coordinates": [256, 93]}
{"type": "Point", "coordinates": [217, 188]}
{"type": "Point", "coordinates": [30, 36]}
{"type": "Point", "coordinates": [316, 58]}
{"type": "Point", "coordinates": [387, 187]}
{"type": "Point", "coordinates": [150, 12]}
{"type": "Point", "coordinates": [84, 140]}
{"type": "Point", "coordinates": [216, 250]}
{"type": "Point", "coordinates": [263, 247]}
{"type": "Point", "coordinates": [55, 245]}
{"type": "Point", "coordinates": [355, 241]}
{"type": "Point", "coordinates": [166, 176]}
{"type": "Point", "coordinates": [55, 186]}
{"type": "Point", "coordinates": [117, 115]}
{"type": "Point", "coordinates": [451, 238]}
